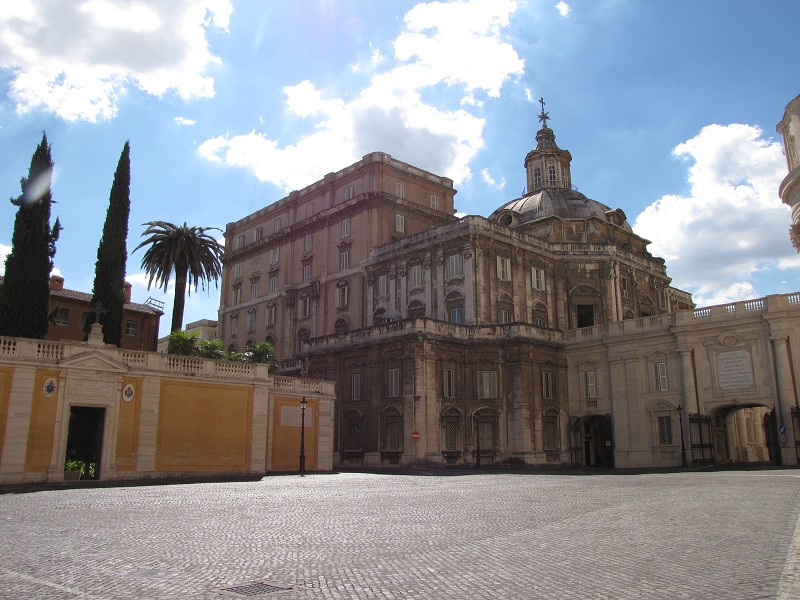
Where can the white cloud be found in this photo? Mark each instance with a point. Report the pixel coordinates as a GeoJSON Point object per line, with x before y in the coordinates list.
{"type": "Point", "coordinates": [456, 48]}
{"type": "Point", "coordinates": [732, 224]}
{"type": "Point", "coordinates": [147, 44]}
{"type": "Point", "coordinates": [563, 8]}
{"type": "Point", "coordinates": [185, 121]}
{"type": "Point", "coordinates": [487, 177]}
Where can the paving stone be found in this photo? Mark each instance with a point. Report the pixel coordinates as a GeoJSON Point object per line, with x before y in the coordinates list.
{"type": "Point", "coordinates": [726, 534]}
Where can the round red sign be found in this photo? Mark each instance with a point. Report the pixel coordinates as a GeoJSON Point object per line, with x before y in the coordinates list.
{"type": "Point", "coordinates": [415, 435]}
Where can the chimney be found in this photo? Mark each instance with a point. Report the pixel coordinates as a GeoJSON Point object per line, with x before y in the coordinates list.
{"type": "Point", "coordinates": [127, 293]}
{"type": "Point", "coordinates": [56, 283]}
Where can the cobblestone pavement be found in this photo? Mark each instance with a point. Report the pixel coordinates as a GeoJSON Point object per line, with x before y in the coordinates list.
{"type": "Point", "coordinates": [726, 534]}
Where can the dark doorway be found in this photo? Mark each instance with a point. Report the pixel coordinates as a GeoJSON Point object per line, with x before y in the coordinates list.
{"type": "Point", "coordinates": [85, 440]}
{"type": "Point", "coordinates": [585, 314]}
{"type": "Point", "coordinates": [772, 436]}
{"type": "Point", "coordinates": [598, 441]}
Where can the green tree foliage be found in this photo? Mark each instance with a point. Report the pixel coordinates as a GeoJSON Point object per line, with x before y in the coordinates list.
{"type": "Point", "coordinates": [181, 343]}
{"type": "Point", "coordinates": [25, 294]}
{"type": "Point", "coordinates": [211, 349]}
{"type": "Point", "coordinates": [262, 352]}
{"type": "Point", "coordinates": [109, 275]}
{"type": "Point", "coordinates": [194, 256]}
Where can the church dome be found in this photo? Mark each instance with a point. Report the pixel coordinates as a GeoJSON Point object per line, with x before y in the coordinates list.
{"type": "Point", "coordinates": [561, 203]}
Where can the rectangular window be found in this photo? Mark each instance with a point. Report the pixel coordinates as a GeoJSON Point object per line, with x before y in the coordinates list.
{"type": "Point", "coordinates": [237, 270]}
{"type": "Point", "coordinates": [274, 255]}
{"type": "Point", "coordinates": [624, 285]}
{"type": "Point", "coordinates": [62, 316]}
{"type": "Point", "coordinates": [505, 316]}
{"type": "Point", "coordinates": [457, 314]}
{"type": "Point", "coordinates": [451, 434]}
{"type": "Point", "coordinates": [660, 375]}
{"type": "Point", "coordinates": [234, 325]}
{"type": "Point", "coordinates": [383, 285]}
{"type": "Point", "coordinates": [306, 273]}
{"type": "Point", "coordinates": [393, 437]}
{"type": "Point", "coordinates": [271, 315]}
{"type": "Point", "coordinates": [273, 284]}
{"type": "Point", "coordinates": [664, 430]}
{"type": "Point", "coordinates": [251, 321]}
{"type": "Point", "coordinates": [240, 241]}
{"type": "Point", "coordinates": [349, 193]}
{"type": "Point", "coordinates": [538, 321]}
{"type": "Point", "coordinates": [305, 306]}
{"type": "Point", "coordinates": [130, 328]}
{"type": "Point", "coordinates": [487, 384]}
{"type": "Point", "coordinates": [400, 190]}
{"type": "Point", "coordinates": [255, 264]}
{"type": "Point", "coordinates": [449, 383]}
{"type": "Point", "coordinates": [341, 296]}
{"type": "Point", "coordinates": [344, 260]}
{"type": "Point", "coordinates": [416, 276]}
{"type": "Point", "coordinates": [309, 210]}
{"type": "Point", "coordinates": [394, 382]}
{"type": "Point", "coordinates": [455, 266]}
{"type": "Point", "coordinates": [434, 202]}
{"type": "Point", "coordinates": [254, 290]}
{"type": "Point", "coordinates": [276, 227]}
{"type": "Point", "coordinates": [307, 243]}
{"type": "Point", "coordinates": [537, 278]}
{"type": "Point", "coordinates": [662, 299]}
{"type": "Point", "coordinates": [399, 223]}
{"type": "Point", "coordinates": [237, 295]}
{"type": "Point", "coordinates": [345, 228]}
{"type": "Point", "coordinates": [257, 234]}
{"type": "Point", "coordinates": [548, 388]}
{"type": "Point", "coordinates": [355, 387]}
{"type": "Point", "coordinates": [589, 385]}
{"type": "Point", "coordinates": [503, 268]}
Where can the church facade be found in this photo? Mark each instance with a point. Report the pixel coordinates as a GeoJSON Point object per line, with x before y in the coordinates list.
{"type": "Point", "coordinates": [545, 334]}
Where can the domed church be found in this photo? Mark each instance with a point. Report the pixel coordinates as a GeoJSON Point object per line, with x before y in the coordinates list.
{"type": "Point", "coordinates": [545, 334]}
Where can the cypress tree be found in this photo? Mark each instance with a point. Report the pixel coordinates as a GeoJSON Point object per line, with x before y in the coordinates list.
{"type": "Point", "coordinates": [109, 275]}
{"type": "Point", "coordinates": [25, 294]}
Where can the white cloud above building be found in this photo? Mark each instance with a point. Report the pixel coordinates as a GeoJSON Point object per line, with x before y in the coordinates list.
{"type": "Point", "coordinates": [723, 231]}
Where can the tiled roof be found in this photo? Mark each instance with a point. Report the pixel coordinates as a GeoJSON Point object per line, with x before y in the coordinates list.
{"type": "Point", "coordinates": [84, 297]}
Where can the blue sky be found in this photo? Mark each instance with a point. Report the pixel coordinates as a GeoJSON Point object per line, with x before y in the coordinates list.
{"type": "Point", "coordinates": [668, 107]}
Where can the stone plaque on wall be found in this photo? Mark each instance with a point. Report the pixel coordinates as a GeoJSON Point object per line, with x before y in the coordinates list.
{"type": "Point", "coordinates": [90, 387]}
{"type": "Point", "coordinates": [735, 370]}
{"type": "Point", "coordinates": [291, 416]}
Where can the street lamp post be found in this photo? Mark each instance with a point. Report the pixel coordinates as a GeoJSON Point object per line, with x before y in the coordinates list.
{"type": "Point", "coordinates": [683, 446]}
{"type": "Point", "coordinates": [303, 406]}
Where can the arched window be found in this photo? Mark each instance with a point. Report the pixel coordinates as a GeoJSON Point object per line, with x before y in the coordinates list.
{"type": "Point", "coordinates": [537, 178]}
{"type": "Point", "coordinates": [540, 318]}
{"type": "Point", "coordinates": [505, 309]}
{"type": "Point", "coordinates": [352, 432]}
{"type": "Point", "coordinates": [232, 348]}
{"type": "Point", "coordinates": [392, 435]}
{"type": "Point", "coordinates": [454, 304]}
{"type": "Point", "coordinates": [451, 430]}
{"type": "Point", "coordinates": [416, 310]}
{"type": "Point", "coordinates": [551, 171]}
{"type": "Point", "coordinates": [341, 325]}
{"type": "Point", "coordinates": [270, 339]}
{"type": "Point", "coordinates": [377, 316]}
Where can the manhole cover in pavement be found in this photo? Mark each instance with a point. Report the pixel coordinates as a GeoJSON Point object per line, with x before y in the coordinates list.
{"type": "Point", "coordinates": [255, 588]}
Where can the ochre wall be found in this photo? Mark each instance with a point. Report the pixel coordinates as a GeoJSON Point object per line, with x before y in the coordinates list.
{"type": "Point", "coordinates": [43, 419]}
{"type": "Point", "coordinates": [204, 427]}
{"type": "Point", "coordinates": [286, 434]}
{"type": "Point", "coordinates": [128, 428]}
{"type": "Point", "coordinates": [6, 374]}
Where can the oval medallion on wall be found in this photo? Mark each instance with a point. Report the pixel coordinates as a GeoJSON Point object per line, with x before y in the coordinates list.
{"type": "Point", "coordinates": [50, 387]}
{"type": "Point", "coordinates": [128, 392]}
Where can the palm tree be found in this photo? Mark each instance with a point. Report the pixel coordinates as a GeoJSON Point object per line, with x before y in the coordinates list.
{"type": "Point", "coordinates": [194, 255]}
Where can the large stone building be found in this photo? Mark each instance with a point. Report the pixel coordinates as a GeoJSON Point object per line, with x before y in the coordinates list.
{"type": "Point", "coordinates": [545, 334]}
{"type": "Point", "coordinates": [789, 191]}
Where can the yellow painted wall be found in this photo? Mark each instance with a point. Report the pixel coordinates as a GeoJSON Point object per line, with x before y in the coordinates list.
{"type": "Point", "coordinates": [6, 374]}
{"type": "Point", "coordinates": [128, 428]}
{"type": "Point", "coordinates": [204, 427]}
{"type": "Point", "coordinates": [42, 428]}
{"type": "Point", "coordinates": [286, 434]}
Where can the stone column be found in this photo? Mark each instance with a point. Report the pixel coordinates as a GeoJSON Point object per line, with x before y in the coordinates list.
{"type": "Point", "coordinates": [785, 398]}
